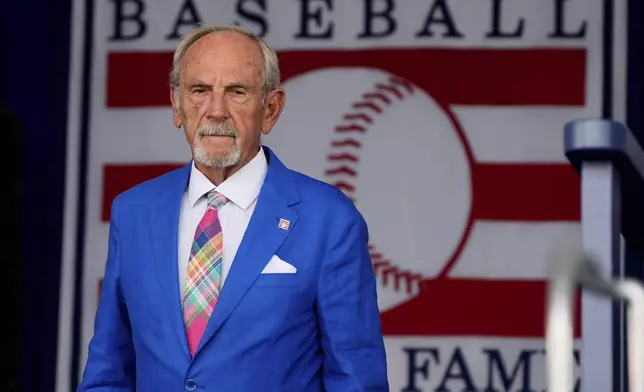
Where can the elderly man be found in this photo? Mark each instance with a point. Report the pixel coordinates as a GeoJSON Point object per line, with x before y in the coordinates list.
{"type": "Point", "coordinates": [234, 273]}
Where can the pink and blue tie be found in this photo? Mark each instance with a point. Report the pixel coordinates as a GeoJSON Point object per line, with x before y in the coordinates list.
{"type": "Point", "coordinates": [204, 272]}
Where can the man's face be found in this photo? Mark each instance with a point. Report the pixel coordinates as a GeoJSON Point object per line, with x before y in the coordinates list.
{"type": "Point", "coordinates": [220, 101]}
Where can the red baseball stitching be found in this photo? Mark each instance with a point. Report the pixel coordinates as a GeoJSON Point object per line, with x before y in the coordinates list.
{"type": "Point", "coordinates": [344, 158]}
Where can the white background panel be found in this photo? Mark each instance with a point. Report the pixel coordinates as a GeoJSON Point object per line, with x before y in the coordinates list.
{"type": "Point", "coordinates": [471, 18]}
{"type": "Point", "coordinates": [513, 250]}
{"type": "Point", "coordinates": [517, 134]}
{"type": "Point", "coordinates": [489, 364]}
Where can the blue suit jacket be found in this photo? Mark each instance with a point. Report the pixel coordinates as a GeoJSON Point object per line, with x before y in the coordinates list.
{"type": "Point", "coordinates": [315, 330]}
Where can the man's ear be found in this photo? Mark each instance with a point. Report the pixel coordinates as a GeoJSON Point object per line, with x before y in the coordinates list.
{"type": "Point", "coordinates": [176, 112]}
{"type": "Point", "coordinates": [275, 102]}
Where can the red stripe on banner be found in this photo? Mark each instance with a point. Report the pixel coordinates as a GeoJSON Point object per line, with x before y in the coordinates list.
{"type": "Point", "coordinates": [467, 76]}
{"type": "Point", "coordinates": [136, 79]}
{"type": "Point", "coordinates": [526, 192]}
{"type": "Point", "coordinates": [451, 76]}
{"type": "Point", "coordinates": [468, 307]}
{"type": "Point", "coordinates": [118, 178]}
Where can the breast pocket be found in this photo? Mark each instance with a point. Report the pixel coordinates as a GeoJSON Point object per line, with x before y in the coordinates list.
{"type": "Point", "coordinates": [278, 280]}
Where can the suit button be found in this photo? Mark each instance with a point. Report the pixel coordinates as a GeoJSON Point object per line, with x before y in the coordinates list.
{"type": "Point", "coordinates": [190, 385]}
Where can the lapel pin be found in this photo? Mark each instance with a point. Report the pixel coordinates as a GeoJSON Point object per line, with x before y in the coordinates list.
{"type": "Point", "coordinates": [284, 224]}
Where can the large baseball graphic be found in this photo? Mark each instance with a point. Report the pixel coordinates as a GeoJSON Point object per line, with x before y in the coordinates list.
{"type": "Point", "coordinates": [392, 149]}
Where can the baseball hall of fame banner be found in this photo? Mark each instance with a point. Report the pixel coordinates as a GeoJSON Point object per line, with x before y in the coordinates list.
{"type": "Point", "coordinates": [451, 110]}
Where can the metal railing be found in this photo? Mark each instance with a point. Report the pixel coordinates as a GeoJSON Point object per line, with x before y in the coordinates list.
{"type": "Point", "coordinates": [572, 270]}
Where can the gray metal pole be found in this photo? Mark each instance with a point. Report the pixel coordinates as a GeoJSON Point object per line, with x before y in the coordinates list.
{"type": "Point", "coordinates": [611, 164]}
{"type": "Point", "coordinates": [600, 212]}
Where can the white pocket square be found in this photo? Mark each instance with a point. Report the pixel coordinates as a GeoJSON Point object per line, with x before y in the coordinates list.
{"type": "Point", "coordinates": [278, 266]}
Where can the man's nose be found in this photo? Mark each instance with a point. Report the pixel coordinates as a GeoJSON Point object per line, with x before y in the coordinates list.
{"type": "Point", "coordinates": [217, 107]}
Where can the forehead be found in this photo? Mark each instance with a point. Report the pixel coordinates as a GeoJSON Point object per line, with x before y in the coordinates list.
{"type": "Point", "coordinates": [223, 55]}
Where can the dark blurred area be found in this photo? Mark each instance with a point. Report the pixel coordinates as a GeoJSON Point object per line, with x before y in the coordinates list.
{"type": "Point", "coordinates": [10, 275]}
{"type": "Point", "coordinates": [34, 42]}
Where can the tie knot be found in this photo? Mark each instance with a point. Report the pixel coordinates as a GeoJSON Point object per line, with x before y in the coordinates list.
{"type": "Point", "coordinates": [216, 200]}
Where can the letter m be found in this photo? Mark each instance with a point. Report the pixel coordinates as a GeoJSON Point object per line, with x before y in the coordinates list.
{"type": "Point", "coordinates": [497, 366]}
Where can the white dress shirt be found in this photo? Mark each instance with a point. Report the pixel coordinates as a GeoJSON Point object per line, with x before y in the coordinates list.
{"type": "Point", "coordinates": [241, 189]}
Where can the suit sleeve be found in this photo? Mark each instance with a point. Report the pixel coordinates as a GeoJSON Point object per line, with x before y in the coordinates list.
{"type": "Point", "coordinates": [110, 362]}
{"type": "Point", "coordinates": [349, 319]}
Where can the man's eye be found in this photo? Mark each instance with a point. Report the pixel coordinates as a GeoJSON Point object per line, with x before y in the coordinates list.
{"type": "Point", "coordinates": [198, 90]}
{"type": "Point", "coordinates": [238, 92]}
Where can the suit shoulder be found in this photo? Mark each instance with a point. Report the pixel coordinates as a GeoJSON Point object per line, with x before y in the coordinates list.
{"type": "Point", "coordinates": [143, 191]}
{"type": "Point", "coordinates": [325, 196]}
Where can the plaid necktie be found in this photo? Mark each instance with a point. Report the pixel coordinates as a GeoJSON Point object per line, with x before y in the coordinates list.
{"type": "Point", "coordinates": [204, 272]}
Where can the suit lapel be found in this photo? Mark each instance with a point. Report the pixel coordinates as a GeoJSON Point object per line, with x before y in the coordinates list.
{"type": "Point", "coordinates": [164, 221]}
{"type": "Point", "coordinates": [261, 241]}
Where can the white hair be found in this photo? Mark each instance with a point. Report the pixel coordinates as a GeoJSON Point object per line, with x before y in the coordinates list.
{"type": "Point", "coordinates": [270, 72]}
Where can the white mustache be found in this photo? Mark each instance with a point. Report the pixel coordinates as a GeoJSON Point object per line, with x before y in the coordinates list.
{"type": "Point", "coordinates": [217, 130]}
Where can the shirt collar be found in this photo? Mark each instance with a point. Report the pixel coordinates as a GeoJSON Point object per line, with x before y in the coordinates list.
{"type": "Point", "coordinates": [242, 188]}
